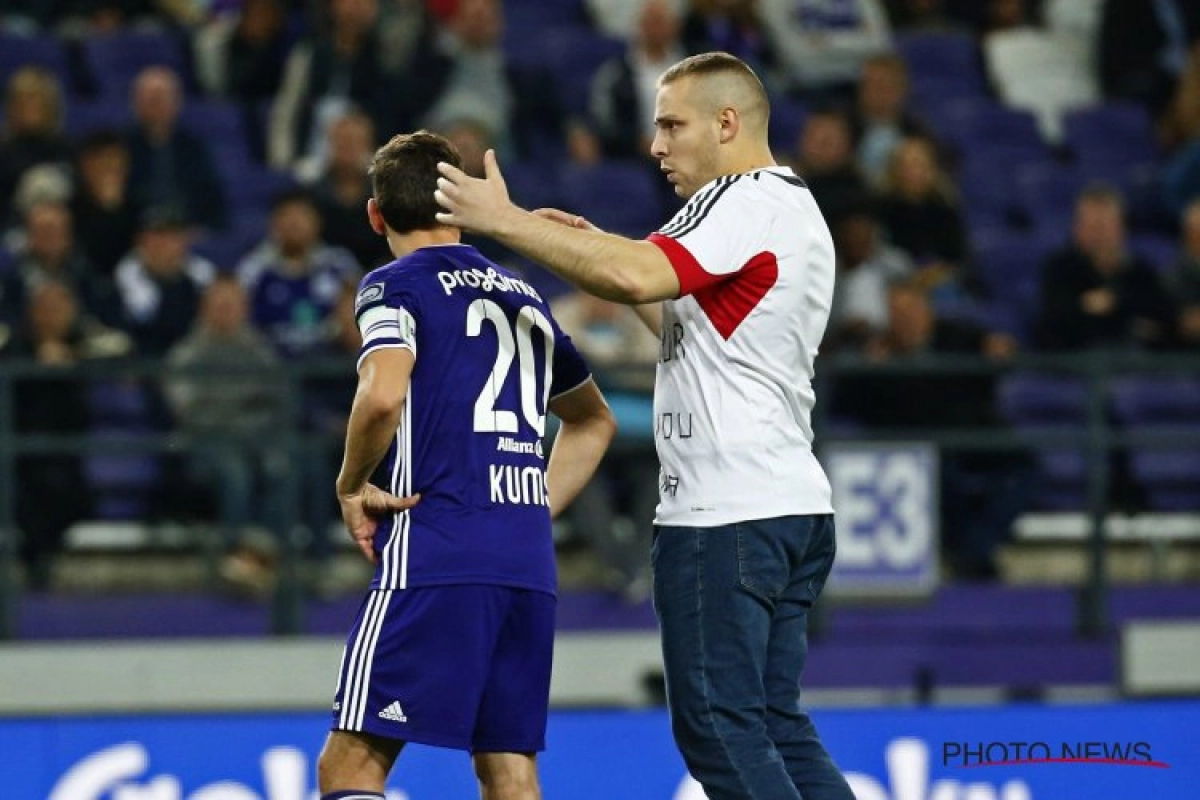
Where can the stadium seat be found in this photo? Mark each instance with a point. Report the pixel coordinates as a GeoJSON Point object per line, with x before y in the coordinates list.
{"type": "Point", "coordinates": [573, 55]}
{"type": "Point", "coordinates": [121, 483]}
{"type": "Point", "coordinates": [1161, 251]}
{"type": "Point", "coordinates": [974, 124]}
{"type": "Point", "coordinates": [786, 124]}
{"type": "Point", "coordinates": [1042, 399]}
{"type": "Point", "coordinates": [545, 12]}
{"type": "Point", "coordinates": [116, 58]}
{"type": "Point", "coordinates": [946, 56]}
{"type": "Point", "coordinates": [1047, 195]}
{"type": "Point", "coordinates": [46, 52]}
{"type": "Point", "coordinates": [1010, 270]}
{"type": "Point", "coordinates": [84, 117]}
{"type": "Point", "coordinates": [1170, 478]}
{"type": "Point", "coordinates": [617, 196]}
{"type": "Point", "coordinates": [1113, 127]}
{"type": "Point", "coordinates": [1156, 400]}
{"type": "Point", "coordinates": [533, 184]}
{"type": "Point", "coordinates": [214, 121]}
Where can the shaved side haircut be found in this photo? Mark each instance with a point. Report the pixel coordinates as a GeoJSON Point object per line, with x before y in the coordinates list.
{"type": "Point", "coordinates": [723, 81]}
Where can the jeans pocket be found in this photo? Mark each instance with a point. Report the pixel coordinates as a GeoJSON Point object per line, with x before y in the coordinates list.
{"type": "Point", "coordinates": [762, 560]}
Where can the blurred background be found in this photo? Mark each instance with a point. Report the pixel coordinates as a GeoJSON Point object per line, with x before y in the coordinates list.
{"type": "Point", "coordinates": [1008, 398]}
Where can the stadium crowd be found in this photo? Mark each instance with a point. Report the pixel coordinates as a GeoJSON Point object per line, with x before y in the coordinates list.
{"type": "Point", "coordinates": [185, 180]}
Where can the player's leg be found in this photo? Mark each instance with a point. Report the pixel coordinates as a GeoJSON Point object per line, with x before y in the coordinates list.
{"type": "Point", "coordinates": [810, 542]}
{"type": "Point", "coordinates": [715, 630]}
{"type": "Point", "coordinates": [511, 726]}
{"type": "Point", "coordinates": [507, 776]}
{"type": "Point", "coordinates": [353, 764]}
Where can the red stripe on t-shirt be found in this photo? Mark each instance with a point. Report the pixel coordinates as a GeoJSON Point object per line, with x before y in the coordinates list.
{"type": "Point", "coordinates": [726, 299]}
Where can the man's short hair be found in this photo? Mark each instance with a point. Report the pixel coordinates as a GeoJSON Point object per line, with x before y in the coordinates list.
{"type": "Point", "coordinates": [1101, 193]}
{"type": "Point", "coordinates": [295, 196]}
{"type": "Point", "coordinates": [99, 141]}
{"type": "Point", "coordinates": [404, 177]}
{"type": "Point", "coordinates": [720, 64]}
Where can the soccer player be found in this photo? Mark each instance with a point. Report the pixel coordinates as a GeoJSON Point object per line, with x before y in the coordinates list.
{"type": "Point", "coordinates": [738, 285]}
{"type": "Point", "coordinates": [460, 361]}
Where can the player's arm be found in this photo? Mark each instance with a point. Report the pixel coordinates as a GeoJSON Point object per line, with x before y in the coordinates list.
{"type": "Point", "coordinates": [383, 378]}
{"type": "Point", "coordinates": [588, 426]}
{"type": "Point", "coordinates": [651, 315]}
{"type": "Point", "coordinates": [604, 264]}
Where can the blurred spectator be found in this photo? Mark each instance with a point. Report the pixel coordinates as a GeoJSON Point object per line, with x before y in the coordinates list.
{"type": "Point", "coordinates": [1144, 48]}
{"type": "Point", "coordinates": [920, 213]}
{"type": "Point", "coordinates": [241, 56]}
{"type": "Point", "coordinates": [867, 268]}
{"type": "Point", "coordinates": [105, 219]}
{"type": "Point", "coordinates": [227, 419]}
{"type": "Point", "coordinates": [51, 493]}
{"type": "Point", "coordinates": [826, 162]}
{"type": "Point", "coordinates": [822, 45]}
{"type": "Point", "coordinates": [343, 189]}
{"type": "Point", "coordinates": [981, 492]}
{"type": "Point", "coordinates": [50, 254]}
{"type": "Point", "coordinates": [880, 119]}
{"type": "Point", "coordinates": [1005, 15]}
{"type": "Point", "coordinates": [1095, 293]}
{"type": "Point", "coordinates": [472, 80]}
{"type": "Point", "coordinates": [733, 26]}
{"type": "Point", "coordinates": [1185, 280]}
{"type": "Point", "coordinates": [614, 513]}
{"type": "Point", "coordinates": [32, 132]}
{"type": "Point", "coordinates": [624, 89]}
{"type": "Point", "coordinates": [293, 278]}
{"type": "Point", "coordinates": [1180, 128]}
{"type": "Point", "coordinates": [159, 282]}
{"type": "Point", "coordinates": [347, 62]}
{"type": "Point", "coordinates": [168, 165]}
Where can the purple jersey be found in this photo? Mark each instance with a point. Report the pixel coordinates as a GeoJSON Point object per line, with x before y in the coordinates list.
{"type": "Point", "coordinates": [489, 357]}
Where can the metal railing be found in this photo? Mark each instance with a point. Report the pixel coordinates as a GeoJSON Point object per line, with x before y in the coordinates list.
{"type": "Point", "coordinates": [1097, 438]}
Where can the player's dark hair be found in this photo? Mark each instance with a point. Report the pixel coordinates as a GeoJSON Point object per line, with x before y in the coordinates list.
{"type": "Point", "coordinates": [404, 177]}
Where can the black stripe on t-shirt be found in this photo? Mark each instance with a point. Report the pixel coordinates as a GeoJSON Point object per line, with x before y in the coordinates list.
{"type": "Point", "coordinates": [702, 209]}
{"type": "Point", "coordinates": [690, 210]}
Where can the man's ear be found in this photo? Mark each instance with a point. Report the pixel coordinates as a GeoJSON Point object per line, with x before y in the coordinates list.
{"type": "Point", "coordinates": [375, 217]}
{"type": "Point", "coordinates": [730, 122]}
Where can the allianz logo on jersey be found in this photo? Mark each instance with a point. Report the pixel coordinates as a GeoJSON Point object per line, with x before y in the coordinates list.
{"type": "Point", "coordinates": [907, 779]}
{"type": "Point", "coordinates": [118, 771]}
{"type": "Point", "coordinates": [488, 280]}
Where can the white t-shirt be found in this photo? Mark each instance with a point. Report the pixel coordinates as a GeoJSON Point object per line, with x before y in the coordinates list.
{"type": "Point", "coordinates": [733, 397]}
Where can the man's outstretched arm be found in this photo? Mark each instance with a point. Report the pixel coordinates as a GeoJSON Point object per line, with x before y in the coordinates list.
{"type": "Point", "coordinates": [604, 264]}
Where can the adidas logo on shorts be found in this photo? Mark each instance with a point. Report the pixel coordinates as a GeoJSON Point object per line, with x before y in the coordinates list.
{"type": "Point", "coordinates": [394, 713]}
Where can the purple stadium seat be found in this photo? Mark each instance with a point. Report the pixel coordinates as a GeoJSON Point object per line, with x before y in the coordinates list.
{"type": "Point", "coordinates": [573, 55]}
{"type": "Point", "coordinates": [46, 52]}
{"type": "Point", "coordinates": [942, 56]}
{"type": "Point", "coordinates": [1161, 251]}
{"type": "Point", "coordinates": [248, 186]}
{"type": "Point", "coordinates": [213, 121]}
{"type": "Point", "coordinates": [1047, 195]}
{"type": "Point", "coordinates": [787, 121]}
{"type": "Point", "coordinates": [990, 125]}
{"type": "Point", "coordinates": [227, 248]}
{"type": "Point", "coordinates": [1042, 399]}
{"type": "Point", "coordinates": [116, 58]}
{"type": "Point", "coordinates": [1156, 401]}
{"type": "Point", "coordinates": [118, 403]}
{"type": "Point", "coordinates": [1011, 270]}
{"type": "Point", "coordinates": [616, 196]}
{"type": "Point", "coordinates": [545, 13]}
{"type": "Point", "coordinates": [532, 184]}
{"type": "Point", "coordinates": [1169, 477]}
{"type": "Point", "coordinates": [1123, 128]}
{"type": "Point", "coordinates": [84, 117]}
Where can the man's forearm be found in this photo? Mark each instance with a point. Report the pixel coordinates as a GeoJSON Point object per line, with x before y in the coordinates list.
{"type": "Point", "coordinates": [577, 451]}
{"type": "Point", "coordinates": [603, 264]}
{"type": "Point", "coordinates": [368, 435]}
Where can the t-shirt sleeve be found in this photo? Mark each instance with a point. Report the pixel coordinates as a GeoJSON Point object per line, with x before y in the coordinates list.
{"type": "Point", "coordinates": [387, 317]}
{"type": "Point", "coordinates": [570, 369]}
{"type": "Point", "coordinates": [715, 235]}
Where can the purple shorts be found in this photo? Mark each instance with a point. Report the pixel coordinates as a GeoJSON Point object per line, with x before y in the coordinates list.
{"type": "Point", "coordinates": [466, 667]}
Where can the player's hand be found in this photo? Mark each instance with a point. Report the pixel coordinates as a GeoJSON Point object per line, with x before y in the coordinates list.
{"type": "Point", "coordinates": [563, 218]}
{"type": "Point", "coordinates": [361, 511]}
{"type": "Point", "coordinates": [478, 205]}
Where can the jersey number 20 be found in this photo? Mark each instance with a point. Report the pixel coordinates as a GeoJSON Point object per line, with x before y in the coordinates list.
{"type": "Point", "coordinates": [512, 341]}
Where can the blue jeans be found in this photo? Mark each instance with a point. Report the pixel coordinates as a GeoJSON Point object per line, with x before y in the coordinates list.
{"type": "Point", "coordinates": [733, 603]}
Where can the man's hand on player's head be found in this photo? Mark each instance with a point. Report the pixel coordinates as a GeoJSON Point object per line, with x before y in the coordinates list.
{"type": "Point", "coordinates": [477, 205]}
{"type": "Point", "coordinates": [362, 510]}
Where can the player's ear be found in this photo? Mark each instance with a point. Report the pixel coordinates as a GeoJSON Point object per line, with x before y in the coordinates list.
{"type": "Point", "coordinates": [375, 217]}
{"type": "Point", "coordinates": [730, 122]}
